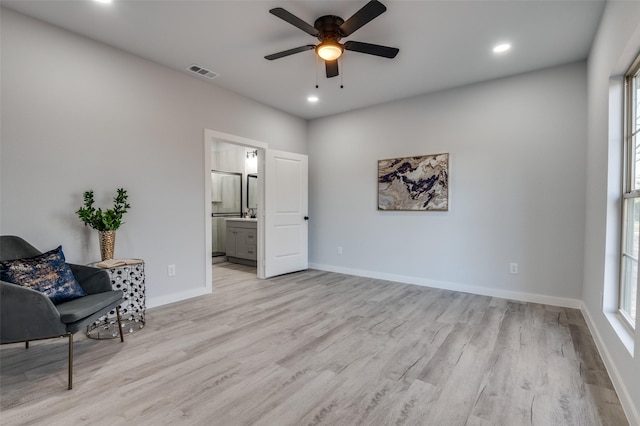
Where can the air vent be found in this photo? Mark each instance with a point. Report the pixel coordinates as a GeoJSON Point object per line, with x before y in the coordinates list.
{"type": "Point", "coordinates": [202, 72]}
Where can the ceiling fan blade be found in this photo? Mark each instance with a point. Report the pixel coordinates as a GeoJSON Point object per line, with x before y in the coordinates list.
{"type": "Point", "coordinates": [332, 68]}
{"type": "Point", "coordinates": [369, 11]}
{"type": "Point", "coordinates": [371, 49]}
{"type": "Point", "coordinates": [294, 20]}
{"type": "Point", "coordinates": [290, 52]}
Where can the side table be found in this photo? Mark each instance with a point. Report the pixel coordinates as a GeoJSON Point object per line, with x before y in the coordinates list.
{"type": "Point", "coordinates": [130, 279]}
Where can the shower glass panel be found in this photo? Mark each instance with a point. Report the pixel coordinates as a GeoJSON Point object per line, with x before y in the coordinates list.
{"type": "Point", "coordinates": [226, 202]}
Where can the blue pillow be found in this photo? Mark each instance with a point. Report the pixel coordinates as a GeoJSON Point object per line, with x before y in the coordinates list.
{"type": "Point", "coordinates": [47, 273]}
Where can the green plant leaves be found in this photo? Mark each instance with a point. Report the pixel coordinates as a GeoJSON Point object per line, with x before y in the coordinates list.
{"type": "Point", "coordinates": [108, 220]}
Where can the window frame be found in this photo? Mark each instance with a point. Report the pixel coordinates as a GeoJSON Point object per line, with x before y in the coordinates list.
{"type": "Point", "coordinates": [629, 193]}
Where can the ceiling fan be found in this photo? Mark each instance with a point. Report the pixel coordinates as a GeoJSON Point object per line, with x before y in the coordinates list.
{"type": "Point", "coordinates": [330, 29]}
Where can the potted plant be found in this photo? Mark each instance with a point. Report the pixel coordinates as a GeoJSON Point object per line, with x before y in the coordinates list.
{"type": "Point", "coordinates": [105, 222]}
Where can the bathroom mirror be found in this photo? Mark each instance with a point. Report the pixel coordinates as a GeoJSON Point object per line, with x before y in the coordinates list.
{"type": "Point", "coordinates": [252, 191]}
{"type": "Point", "coordinates": [226, 193]}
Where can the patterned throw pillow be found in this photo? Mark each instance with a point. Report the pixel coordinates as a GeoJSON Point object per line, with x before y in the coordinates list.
{"type": "Point", "coordinates": [47, 273]}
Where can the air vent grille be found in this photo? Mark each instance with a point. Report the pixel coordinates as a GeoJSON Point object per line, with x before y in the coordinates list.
{"type": "Point", "coordinates": [202, 72]}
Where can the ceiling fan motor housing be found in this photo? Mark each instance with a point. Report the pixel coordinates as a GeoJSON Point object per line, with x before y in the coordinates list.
{"type": "Point", "coordinates": [329, 28]}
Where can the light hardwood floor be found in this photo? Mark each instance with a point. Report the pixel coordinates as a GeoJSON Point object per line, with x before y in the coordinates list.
{"type": "Point", "coordinates": [318, 348]}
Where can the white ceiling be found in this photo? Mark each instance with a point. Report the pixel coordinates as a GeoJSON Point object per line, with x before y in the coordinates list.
{"type": "Point", "coordinates": [442, 44]}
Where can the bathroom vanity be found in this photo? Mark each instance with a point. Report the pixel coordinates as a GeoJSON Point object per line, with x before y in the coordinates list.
{"type": "Point", "coordinates": [242, 241]}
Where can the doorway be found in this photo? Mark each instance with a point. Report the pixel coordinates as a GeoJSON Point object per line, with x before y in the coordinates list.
{"type": "Point", "coordinates": [281, 222]}
{"type": "Point", "coordinates": [234, 155]}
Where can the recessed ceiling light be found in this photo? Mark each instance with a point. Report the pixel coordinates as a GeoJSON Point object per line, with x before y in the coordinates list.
{"type": "Point", "coordinates": [501, 48]}
{"type": "Point", "coordinates": [313, 99]}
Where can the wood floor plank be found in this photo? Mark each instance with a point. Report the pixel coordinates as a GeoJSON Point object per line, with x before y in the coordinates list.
{"type": "Point", "coordinates": [321, 348]}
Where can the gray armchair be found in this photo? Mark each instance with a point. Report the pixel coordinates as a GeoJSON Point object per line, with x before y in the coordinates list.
{"type": "Point", "coordinates": [28, 315]}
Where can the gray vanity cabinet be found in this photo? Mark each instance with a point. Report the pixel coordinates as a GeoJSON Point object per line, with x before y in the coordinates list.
{"type": "Point", "coordinates": [242, 241]}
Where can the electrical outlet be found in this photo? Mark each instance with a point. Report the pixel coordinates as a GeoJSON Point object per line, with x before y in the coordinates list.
{"type": "Point", "coordinates": [171, 270]}
{"type": "Point", "coordinates": [339, 250]}
{"type": "Point", "coordinates": [513, 268]}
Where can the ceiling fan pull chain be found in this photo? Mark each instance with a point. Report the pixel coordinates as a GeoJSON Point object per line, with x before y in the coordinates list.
{"type": "Point", "coordinates": [342, 73]}
{"type": "Point", "coordinates": [316, 56]}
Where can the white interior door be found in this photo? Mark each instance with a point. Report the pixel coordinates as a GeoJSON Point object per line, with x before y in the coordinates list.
{"type": "Point", "coordinates": [286, 210]}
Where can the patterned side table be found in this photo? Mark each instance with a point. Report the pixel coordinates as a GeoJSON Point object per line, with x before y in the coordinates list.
{"type": "Point", "coordinates": [129, 279]}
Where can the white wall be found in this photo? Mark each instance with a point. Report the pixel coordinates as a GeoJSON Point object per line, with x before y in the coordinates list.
{"type": "Point", "coordinates": [616, 45]}
{"type": "Point", "coordinates": [517, 169]}
{"type": "Point", "coordinates": [226, 157]}
{"type": "Point", "coordinates": [79, 115]}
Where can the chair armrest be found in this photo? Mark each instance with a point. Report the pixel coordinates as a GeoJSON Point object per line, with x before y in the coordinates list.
{"type": "Point", "coordinates": [92, 280]}
{"type": "Point", "coordinates": [27, 314]}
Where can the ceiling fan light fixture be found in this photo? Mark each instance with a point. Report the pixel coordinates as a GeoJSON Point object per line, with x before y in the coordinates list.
{"type": "Point", "coordinates": [329, 50]}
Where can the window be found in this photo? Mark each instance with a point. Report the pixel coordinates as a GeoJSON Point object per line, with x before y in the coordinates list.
{"type": "Point", "coordinates": [631, 198]}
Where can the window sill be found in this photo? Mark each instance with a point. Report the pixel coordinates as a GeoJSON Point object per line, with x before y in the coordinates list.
{"type": "Point", "coordinates": [622, 330]}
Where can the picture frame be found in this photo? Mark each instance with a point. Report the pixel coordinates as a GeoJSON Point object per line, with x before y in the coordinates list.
{"type": "Point", "coordinates": [419, 183]}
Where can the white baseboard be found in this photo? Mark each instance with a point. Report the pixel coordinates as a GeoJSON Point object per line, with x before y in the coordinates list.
{"type": "Point", "coordinates": [152, 302]}
{"type": "Point", "coordinates": [623, 394]}
{"type": "Point", "coordinates": [483, 291]}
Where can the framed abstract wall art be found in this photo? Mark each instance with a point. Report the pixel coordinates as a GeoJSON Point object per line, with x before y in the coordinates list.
{"type": "Point", "coordinates": [414, 183]}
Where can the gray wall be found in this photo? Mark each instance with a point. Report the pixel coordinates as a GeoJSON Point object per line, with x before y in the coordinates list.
{"type": "Point", "coordinates": [79, 115]}
{"type": "Point", "coordinates": [615, 47]}
{"type": "Point", "coordinates": [517, 192]}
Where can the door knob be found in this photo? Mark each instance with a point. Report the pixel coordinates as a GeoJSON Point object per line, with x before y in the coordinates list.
{"type": "Point", "coordinates": [306, 218]}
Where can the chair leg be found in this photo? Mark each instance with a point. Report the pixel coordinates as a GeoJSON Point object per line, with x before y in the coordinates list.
{"type": "Point", "coordinates": [26, 344]}
{"type": "Point", "coordinates": [119, 323]}
{"type": "Point", "coordinates": [70, 361]}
